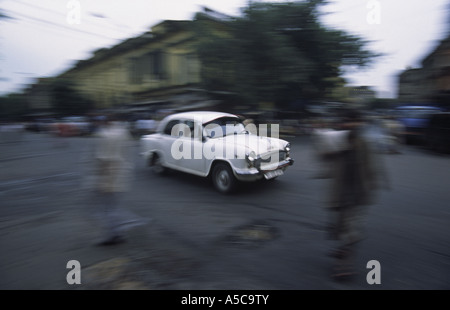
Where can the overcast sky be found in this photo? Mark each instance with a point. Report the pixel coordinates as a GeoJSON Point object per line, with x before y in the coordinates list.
{"type": "Point", "coordinates": [42, 38]}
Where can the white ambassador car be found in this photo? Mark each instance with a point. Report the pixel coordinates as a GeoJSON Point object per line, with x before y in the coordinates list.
{"type": "Point", "coordinates": [215, 145]}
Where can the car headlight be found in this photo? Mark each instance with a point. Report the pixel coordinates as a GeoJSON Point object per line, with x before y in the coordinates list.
{"type": "Point", "coordinates": [251, 159]}
{"type": "Point", "coordinates": [287, 148]}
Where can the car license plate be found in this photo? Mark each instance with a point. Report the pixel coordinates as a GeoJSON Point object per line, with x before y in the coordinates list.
{"type": "Point", "coordinates": [273, 174]}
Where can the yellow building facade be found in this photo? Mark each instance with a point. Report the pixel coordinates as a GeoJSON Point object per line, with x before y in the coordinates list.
{"type": "Point", "coordinates": [153, 66]}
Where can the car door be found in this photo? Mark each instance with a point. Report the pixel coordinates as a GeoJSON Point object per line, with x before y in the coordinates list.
{"type": "Point", "coordinates": [170, 136]}
{"type": "Point", "coordinates": [193, 160]}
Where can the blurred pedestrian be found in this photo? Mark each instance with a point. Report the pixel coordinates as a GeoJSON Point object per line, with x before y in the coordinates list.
{"type": "Point", "coordinates": [145, 126]}
{"type": "Point", "coordinates": [112, 169]}
{"type": "Point", "coordinates": [326, 141]}
{"type": "Point", "coordinates": [394, 130]}
{"type": "Point", "coordinates": [353, 182]}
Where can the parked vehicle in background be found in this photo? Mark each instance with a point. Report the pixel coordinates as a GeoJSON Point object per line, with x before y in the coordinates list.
{"type": "Point", "coordinates": [438, 132]}
{"type": "Point", "coordinates": [72, 126]}
{"type": "Point", "coordinates": [143, 127]}
{"type": "Point", "coordinates": [41, 125]}
{"type": "Point", "coordinates": [215, 145]}
{"type": "Point", "coordinates": [415, 121]}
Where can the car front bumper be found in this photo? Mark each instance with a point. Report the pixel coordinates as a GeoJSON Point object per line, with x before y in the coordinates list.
{"type": "Point", "coordinates": [254, 174]}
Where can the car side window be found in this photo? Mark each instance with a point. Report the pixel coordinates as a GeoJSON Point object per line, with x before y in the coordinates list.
{"type": "Point", "coordinates": [169, 127]}
{"type": "Point", "coordinates": [189, 129]}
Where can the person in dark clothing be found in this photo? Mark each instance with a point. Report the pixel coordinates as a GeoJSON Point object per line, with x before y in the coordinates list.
{"type": "Point", "coordinates": [353, 183]}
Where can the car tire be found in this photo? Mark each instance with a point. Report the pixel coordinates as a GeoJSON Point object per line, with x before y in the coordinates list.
{"type": "Point", "coordinates": [156, 164]}
{"type": "Point", "coordinates": [223, 178]}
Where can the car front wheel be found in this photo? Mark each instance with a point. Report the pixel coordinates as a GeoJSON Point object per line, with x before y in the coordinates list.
{"type": "Point", "coordinates": [223, 178]}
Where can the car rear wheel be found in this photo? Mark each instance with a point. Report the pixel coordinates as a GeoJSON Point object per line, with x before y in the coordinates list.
{"type": "Point", "coordinates": [156, 165]}
{"type": "Point", "coordinates": [223, 178]}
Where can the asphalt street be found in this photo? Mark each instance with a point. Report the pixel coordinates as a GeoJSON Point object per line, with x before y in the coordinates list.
{"type": "Point", "coordinates": [267, 236]}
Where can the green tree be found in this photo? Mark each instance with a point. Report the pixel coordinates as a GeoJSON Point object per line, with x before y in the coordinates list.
{"type": "Point", "coordinates": [277, 52]}
{"type": "Point", "coordinates": [67, 101]}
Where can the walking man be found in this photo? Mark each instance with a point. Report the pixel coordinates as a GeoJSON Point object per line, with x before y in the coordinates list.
{"type": "Point", "coordinates": [353, 182]}
{"type": "Point", "coordinates": [112, 173]}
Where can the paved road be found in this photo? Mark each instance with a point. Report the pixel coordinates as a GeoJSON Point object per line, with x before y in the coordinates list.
{"type": "Point", "coordinates": [269, 235]}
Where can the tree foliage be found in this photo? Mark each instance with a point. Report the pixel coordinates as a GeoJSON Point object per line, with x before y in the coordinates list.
{"type": "Point", "coordinates": [13, 106]}
{"type": "Point", "coordinates": [277, 52]}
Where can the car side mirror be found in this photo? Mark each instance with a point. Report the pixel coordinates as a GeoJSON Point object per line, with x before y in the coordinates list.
{"type": "Point", "coordinates": [205, 136]}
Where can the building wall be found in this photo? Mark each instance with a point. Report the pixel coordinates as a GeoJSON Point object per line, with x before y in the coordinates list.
{"type": "Point", "coordinates": [410, 86]}
{"type": "Point", "coordinates": [432, 80]}
{"type": "Point", "coordinates": [167, 60]}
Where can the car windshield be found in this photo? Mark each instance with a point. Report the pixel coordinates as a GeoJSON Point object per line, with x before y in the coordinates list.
{"type": "Point", "coordinates": [224, 126]}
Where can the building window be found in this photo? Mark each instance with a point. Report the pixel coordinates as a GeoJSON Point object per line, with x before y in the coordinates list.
{"type": "Point", "coordinates": [147, 67]}
{"type": "Point", "coordinates": [157, 61]}
{"type": "Point", "coordinates": [135, 77]}
{"type": "Point", "coordinates": [193, 68]}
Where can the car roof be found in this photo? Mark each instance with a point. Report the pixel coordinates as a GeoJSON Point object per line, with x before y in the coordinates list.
{"type": "Point", "coordinates": [203, 116]}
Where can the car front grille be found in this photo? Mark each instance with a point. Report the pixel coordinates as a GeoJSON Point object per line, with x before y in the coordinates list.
{"type": "Point", "coordinates": [269, 158]}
